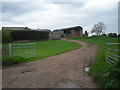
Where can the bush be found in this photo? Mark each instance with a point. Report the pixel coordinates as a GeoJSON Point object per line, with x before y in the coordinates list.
{"type": "Point", "coordinates": [119, 35]}
{"type": "Point", "coordinates": [93, 36]}
{"type": "Point", "coordinates": [103, 35]}
{"type": "Point", "coordinates": [112, 34]}
{"type": "Point", "coordinates": [6, 37]}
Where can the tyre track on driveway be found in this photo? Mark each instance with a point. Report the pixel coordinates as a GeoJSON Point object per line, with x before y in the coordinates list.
{"type": "Point", "coordinates": [64, 70]}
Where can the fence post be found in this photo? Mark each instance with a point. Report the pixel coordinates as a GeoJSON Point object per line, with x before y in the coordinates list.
{"type": "Point", "coordinates": [106, 51]}
{"type": "Point", "coordinates": [10, 50]}
{"type": "Point", "coordinates": [34, 50]}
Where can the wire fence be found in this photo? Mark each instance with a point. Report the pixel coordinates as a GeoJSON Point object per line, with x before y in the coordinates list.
{"type": "Point", "coordinates": [24, 50]}
{"type": "Point", "coordinates": [112, 53]}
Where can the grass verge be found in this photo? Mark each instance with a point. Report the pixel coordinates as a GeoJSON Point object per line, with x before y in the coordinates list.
{"type": "Point", "coordinates": [104, 74]}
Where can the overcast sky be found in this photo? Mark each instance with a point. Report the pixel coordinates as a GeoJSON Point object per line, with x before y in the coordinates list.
{"type": "Point", "coordinates": [57, 14]}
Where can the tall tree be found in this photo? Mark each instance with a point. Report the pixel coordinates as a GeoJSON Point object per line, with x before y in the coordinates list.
{"type": "Point", "coordinates": [98, 28]}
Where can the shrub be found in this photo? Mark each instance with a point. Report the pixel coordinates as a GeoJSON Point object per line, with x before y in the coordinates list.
{"type": "Point", "coordinates": [112, 34]}
{"type": "Point", "coordinates": [6, 37]}
{"type": "Point", "coordinates": [103, 35]}
{"type": "Point", "coordinates": [119, 35]}
{"type": "Point", "coordinates": [92, 36]}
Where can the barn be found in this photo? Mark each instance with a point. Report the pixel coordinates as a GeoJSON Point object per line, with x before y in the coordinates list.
{"type": "Point", "coordinates": [72, 32]}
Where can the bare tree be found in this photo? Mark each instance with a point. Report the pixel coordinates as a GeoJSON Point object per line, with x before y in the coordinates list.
{"type": "Point", "coordinates": [98, 28]}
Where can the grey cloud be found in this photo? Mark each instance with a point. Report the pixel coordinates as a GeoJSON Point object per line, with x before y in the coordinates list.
{"type": "Point", "coordinates": [70, 14]}
{"type": "Point", "coordinates": [75, 4]}
{"type": "Point", "coordinates": [12, 9]}
{"type": "Point", "coordinates": [16, 8]}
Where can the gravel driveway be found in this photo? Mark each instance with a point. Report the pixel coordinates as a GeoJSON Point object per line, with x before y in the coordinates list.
{"type": "Point", "coordinates": [64, 71]}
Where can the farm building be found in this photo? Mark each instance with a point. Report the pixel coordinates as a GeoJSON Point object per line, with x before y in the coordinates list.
{"type": "Point", "coordinates": [72, 32]}
{"type": "Point", "coordinates": [15, 28]}
{"type": "Point", "coordinates": [56, 34]}
{"type": "Point", "coordinates": [66, 32]}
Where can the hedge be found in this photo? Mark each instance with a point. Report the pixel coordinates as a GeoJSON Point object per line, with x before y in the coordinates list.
{"type": "Point", "coordinates": [29, 35]}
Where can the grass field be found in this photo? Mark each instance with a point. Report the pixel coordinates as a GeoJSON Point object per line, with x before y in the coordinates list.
{"type": "Point", "coordinates": [104, 74]}
{"type": "Point", "coordinates": [44, 49]}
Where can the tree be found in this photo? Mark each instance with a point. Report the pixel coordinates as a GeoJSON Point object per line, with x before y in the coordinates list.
{"type": "Point", "coordinates": [98, 28]}
{"type": "Point", "coordinates": [112, 34]}
{"type": "Point", "coordinates": [86, 33]}
{"type": "Point", "coordinates": [6, 36]}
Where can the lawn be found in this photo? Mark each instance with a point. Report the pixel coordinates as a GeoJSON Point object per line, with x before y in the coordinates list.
{"type": "Point", "coordinates": [43, 49]}
{"type": "Point", "coordinates": [104, 74]}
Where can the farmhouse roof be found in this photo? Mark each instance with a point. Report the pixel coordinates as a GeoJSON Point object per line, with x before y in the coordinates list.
{"type": "Point", "coordinates": [15, 28]}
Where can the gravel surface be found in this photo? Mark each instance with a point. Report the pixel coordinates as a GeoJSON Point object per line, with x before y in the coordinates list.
{"type": "Point", "coordinates": [62, 71]}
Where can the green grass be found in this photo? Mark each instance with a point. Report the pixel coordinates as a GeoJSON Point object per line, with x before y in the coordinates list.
{"type": "Point", "coordinates": [43, 49]}
{"type": "Point", "coordinates": [103, 73]}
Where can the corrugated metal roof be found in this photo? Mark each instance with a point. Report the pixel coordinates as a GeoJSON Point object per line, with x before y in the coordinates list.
{"type": "Point", "coordinates": [74, 28]}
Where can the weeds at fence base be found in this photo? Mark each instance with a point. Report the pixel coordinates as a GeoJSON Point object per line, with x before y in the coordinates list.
{"type": "Point", "coordinates": [113, 76]}
{"type": "Point", "coordinates": [7, 60]}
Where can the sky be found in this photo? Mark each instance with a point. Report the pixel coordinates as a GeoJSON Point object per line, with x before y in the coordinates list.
{"type": "Point", "coordinates": [57, 14]}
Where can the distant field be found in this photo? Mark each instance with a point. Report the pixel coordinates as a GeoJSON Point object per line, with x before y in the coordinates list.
{"type": "Point", "coordinates": [44, 49]}
{"type": "Point", "coordinates": [100, 70]}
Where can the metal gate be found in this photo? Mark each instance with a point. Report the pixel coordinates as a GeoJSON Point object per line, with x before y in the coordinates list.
{"type": "Point", "coordinates": [24, 50]}
{"type": "Point", "coordinates": [112, 53]}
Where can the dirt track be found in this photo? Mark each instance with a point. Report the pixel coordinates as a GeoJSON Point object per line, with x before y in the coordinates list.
{"type": "Point", "coordinates": [64, 70]}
